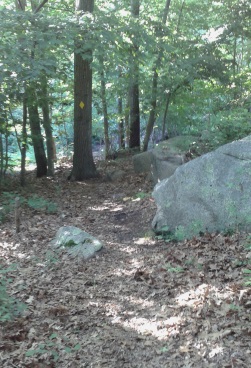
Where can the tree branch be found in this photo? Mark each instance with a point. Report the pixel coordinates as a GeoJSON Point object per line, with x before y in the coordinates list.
{"type": "Point", "coordinates": [20, 4]}
{"type": "Point", "coordinates": [40, 6]}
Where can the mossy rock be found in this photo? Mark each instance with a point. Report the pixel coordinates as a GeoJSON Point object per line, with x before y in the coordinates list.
{"type": "Point", "coordinates": [76, 242]}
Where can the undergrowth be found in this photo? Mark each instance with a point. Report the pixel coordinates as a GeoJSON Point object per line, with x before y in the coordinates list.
{"type": "Point", "coordinates": [9, 306]}
{"type": "Point", "coordinates": [7, 203]}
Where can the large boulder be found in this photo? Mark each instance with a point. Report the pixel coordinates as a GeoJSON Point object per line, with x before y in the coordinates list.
{"type": "Point", "coordinates": [162, 161]}
{"type": "Point", "coordinates": [210, 193]}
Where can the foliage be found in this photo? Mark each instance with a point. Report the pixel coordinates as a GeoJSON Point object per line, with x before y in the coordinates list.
{"type": "Point", "coordinates": [9, 307]}
{"type": "Point", "coordinates": [36, 202]}
{"type": "Point", "coordinates": [169, 236]}
{"type": "Point", "coordinates": [69, 244]}
{"type": "Point", "coordinates": [7, 204]}
{"type": "Point", "coordinates": [203, 72]}
{"type": "Point", "coordinates": [41, 204]}
{"type": "Point", "coordinates": [172, 269]}
{"type": "Point", "coordinates": [50, 347]}
{"type": "Point", "coordinates": [142, 195]}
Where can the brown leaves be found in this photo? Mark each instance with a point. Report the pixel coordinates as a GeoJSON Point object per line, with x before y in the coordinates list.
{"type": "Point", "coordinates": [141, 303]}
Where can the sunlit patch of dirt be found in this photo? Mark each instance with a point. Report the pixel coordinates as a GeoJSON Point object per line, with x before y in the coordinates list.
{"type": "Point", "coordinates": [142, 302]}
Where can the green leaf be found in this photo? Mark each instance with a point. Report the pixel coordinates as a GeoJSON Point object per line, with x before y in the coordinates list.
{"type": "Point", "coordinates": [53, 336]}
{"type": "Point", "coordinates": [77, 347]}
{"type": "Point", "coordinates": [55, 355]}
{"type": "Point", "coordinates": [67, 349]}
{"type": "Point", "coordinates": [246, 271]}
{"type": "Point", "coordinates": [31, 353]}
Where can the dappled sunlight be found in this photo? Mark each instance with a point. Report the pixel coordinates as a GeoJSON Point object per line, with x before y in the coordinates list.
{"type": "Point", "coordinates": [217, 350]}
{"type": "Point", "coordinates": [205, 347]}
{"type": "Point", "coordinates": [8, 249]}
{"type": "Point", "coordinates": [140, 302]}
{"type": "Point", "coordinates": [142, 241]}
{"type": "Point", "coordinates": [117, 207]}
{"type": "Point", "coordinates": [83, 184]}
{"type": "Point", "coordinates": [112, 207]}
{"type": "Point", "coordinates": [126, 249]}
{"type": "Point", "coordinates": [121, 272]}
{"type": "Point", "coordinates": [159, 329]}
{"type": "Point", "coordinates": [195, 297]}
{"type": "Point", "coordinates": [99, 208]}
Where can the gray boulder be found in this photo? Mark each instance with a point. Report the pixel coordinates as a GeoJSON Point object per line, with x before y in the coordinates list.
{"type": "Point", "coordinates": [142, 162]}
{"type": "Point", "coordinates": [76, 242]}
{"type": "Point", "coordinates": [162, 161]}
{"type": "Point", "coordinates": [115, 175]}
{"type": "Point", "coordinates": [210, 193]}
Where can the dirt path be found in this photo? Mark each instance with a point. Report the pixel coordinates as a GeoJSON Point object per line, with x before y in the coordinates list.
{"type": "Point", "coordinates": [142, 302]}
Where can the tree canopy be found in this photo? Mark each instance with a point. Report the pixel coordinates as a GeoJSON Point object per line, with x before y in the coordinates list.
{"type": "Point", "coordinates": [189, 63]}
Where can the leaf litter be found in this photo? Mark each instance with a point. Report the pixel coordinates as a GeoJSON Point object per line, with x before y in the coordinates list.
{"type": "Point", "coordinates": [142, 302]}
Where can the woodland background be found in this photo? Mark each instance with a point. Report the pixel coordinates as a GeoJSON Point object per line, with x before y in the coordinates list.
{"type": "Point", "coordinates": [116, 77]}
{"type": "Point", "coordinates": [122, 73]}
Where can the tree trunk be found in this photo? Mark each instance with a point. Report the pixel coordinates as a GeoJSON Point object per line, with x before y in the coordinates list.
{"type": "Point", "coordinates": [104, 108]}
{"type": "Point", "coordinates": [36, 134]}
{"type": "Point", "coordinates": [151, 119]}
{"type": "Point", "coordinates": [127, 116]}
{"type": "Point", "coordinates": [83, 163]}
{"type": "Point", "coordinates": [24, 141]}
{"type": "Point", "coordinates": [134, 138]}
{"type": "Point", "coordinates": [44, 101]}
{"type": "Point", "coordinates": [1, 157]}
{"type": "Point", "coordinates": [121, 125]}
{"type": "Point", "coordinates": [168, 99]}
{"type": "Point", "coordinates": [152, 115]}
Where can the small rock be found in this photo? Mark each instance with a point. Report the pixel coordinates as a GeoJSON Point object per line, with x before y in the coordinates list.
{"type": "Point", "coordinates": [76, 242]}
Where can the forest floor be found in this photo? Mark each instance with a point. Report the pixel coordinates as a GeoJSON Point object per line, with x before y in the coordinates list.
{"type": "Point", "coordinates": [142, 302]}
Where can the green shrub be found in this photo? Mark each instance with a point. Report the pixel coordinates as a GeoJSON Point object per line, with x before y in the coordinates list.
{"type": "Point", "coordinates": [9, 307]}
{"type": "Point", "coordinates": [7, 200]}
{"type": "Point", "coordinates": [51, 347]}
{"type": "Point", "coordinates": [234, 125]}
{"type": "Point", "coordinates": [41, 204]}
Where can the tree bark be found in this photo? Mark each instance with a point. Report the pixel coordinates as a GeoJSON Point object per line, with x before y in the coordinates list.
{"type": "Point", "coordinates": [44, 101]}
{"type": "Point", "coordinates": [121, 124]}
{"type": "Point", "coordinates": [153, 102]}
{"type": "Point", "coordinates": [168, 99]}
{"type": "Point", "coordinates": [36, 134]}
{"type": "Point", "coordinates": [104, 108]}
{"type": "Point", "coordinates": [134, 138]}
{"type": "Point", "coordinates": [1, 157]}
{"type": "Point", "coordinates": [151, 119]}
{"type": "Point", "coordinates": [127, 117]}
{"type": "Point", "coordinates": [83, 163]}
{"type": "Point", "coordinates": [30, 103]}
{"type": "Point", "coordinates": [24, 141]}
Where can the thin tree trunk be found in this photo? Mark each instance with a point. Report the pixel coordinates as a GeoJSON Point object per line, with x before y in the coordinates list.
{"type": "Point", "coordinates": [36, 134]}
{"type": "Point", "coordinates": [44, 101]}
{"type": "Point", "coordinates": [6, 151]}
{"type": "Point", "coordinates": [121, 125]}
{"type": "Point", "coordinates": [151, 119]}
{"type": "Point", "coordinates": [1, 157]}
{"type": "Point", "coordinates": [153, 102]}
{"type": "Point", "coordinates": [127, 117]}
{"type": "Point", "coordinates": [134, 138]}
{"type": "Point", "coordinates": [168, 99]}
{"type": "Point", "coordinates": [104, 108]}
{"type": "Point", "coordinates": [30, 104]}
{"type": "Point", "coordinates": [24, 141]}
